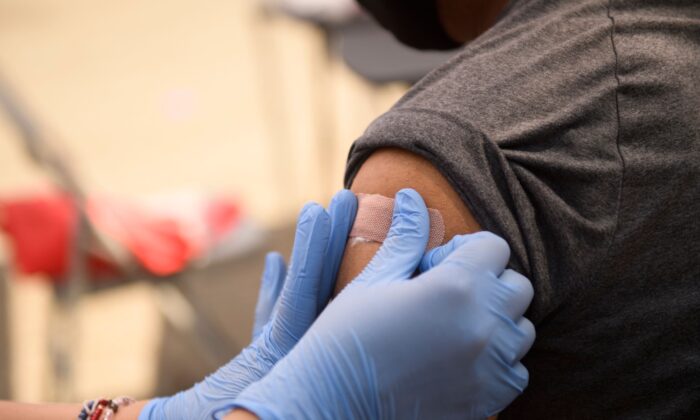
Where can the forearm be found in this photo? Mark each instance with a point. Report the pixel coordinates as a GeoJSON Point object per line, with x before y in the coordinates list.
{"type": "Point", "coordinates": [11, 411]}
{"type": "Point", "coordinates": [23, 411]}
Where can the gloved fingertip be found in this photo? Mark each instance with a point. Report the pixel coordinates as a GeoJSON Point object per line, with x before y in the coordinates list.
{"type": "Point", "coordinates": [523, 340]}
{"type": "Point", "coordinates": [401, 252]}
{"type": "Point", "coordinates": [426, 263]}
{"type": "Point", "coordinates": [410, 217]}
{"type": "Point", "coordinates": [485, 251]}
{"type": "Point", "coordinates": [437, 255]}
{"type": "Point", "coordinates": [310, 242]}
{"type": "Point", "coordinates": [521, 285]}
{"type": "Point", "coordinates": [527, 328]}
{"type": "Point", "coordinates": [343, 196]}
{"type": "Point", "coordinates": [313, 221]}
{"type": "Point", "coordinates": [273, 258]}
{"type": "Point", "coordinates": [310, 211]}
{"type": "Point", "coordinates": [520, 377]}
{"type": "Point", "coordinates": [408, 201]}
{"type": "Point", "coordinates": [515, 380]}
{"type": "Point", "coordinates": [306, 208]}
{"type": "Point", "coordinates": [275, 268]}
{"type": "Point", "coordinates": [494, 242]}
{"type": "Point", "coordinates": [342, 209]}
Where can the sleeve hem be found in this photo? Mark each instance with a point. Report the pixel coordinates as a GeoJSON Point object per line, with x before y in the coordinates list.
{"type": "Point", "coordinates": [473, 164]}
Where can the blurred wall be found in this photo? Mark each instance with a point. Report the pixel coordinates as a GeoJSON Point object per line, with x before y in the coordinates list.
{"type": "Point", "coordinates": [160, 95]}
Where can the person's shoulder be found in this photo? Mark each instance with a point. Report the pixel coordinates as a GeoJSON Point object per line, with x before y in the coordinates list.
{"type": "Point", "coordinates": [388, 170]}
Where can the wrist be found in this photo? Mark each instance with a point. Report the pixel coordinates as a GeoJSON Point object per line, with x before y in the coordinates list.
{"type": "Point", "coordinates": [152, 409]}
{"type": "Point", "coordinates": [215, 394]}
{"type": "Point", "coordinates": [315, 380]}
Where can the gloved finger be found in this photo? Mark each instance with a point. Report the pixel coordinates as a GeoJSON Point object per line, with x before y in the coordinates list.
{"type": "Point", "coordinates": [484, 251]}
{"type": "Point", "coordinates": [515, 294]}
{"type": "Point", "coordinates": [520, 377]}
{"type": "Point", "coordinates": [270, 288]}
{"type": "Point", "coordinates": [298, 301]}
{"type": "Point", "coordinates": [438, 254]}
{"type": "Point", "coordinates": [342, 211]}
{"type": "Point", "coordinates": [511, 341]}
{"type": "Point", "coordinates": [527, 329]}
{"type": "Point", "coordinates": [514, 381]}
{"type": "Point", "coordinates": [405, 243]}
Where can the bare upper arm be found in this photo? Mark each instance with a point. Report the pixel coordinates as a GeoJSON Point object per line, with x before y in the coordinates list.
{"type": "Point", "coordinates": [386, 172]}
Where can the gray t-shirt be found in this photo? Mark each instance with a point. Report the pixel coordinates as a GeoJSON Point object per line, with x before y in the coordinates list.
{"type": "Point", "coordinates": [572, 129]}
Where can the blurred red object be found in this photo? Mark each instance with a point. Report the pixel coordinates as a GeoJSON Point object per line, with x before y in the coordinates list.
{"type": "Point", "coordinates": [162, 236]}
{"type": "Point", "coordinates": [41, 231]}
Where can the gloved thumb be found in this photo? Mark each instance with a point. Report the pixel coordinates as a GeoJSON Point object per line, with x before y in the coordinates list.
{"type": "Point", "coordinates": [481, 251]}
{"type": "Point", "coordinates": [438, 254]}
{"type": "Point", "coordinates": [342, 211]}
{"type": "Point", "coordinates": [296, 309]}
{"type": "Point", "coordinates": [405, 243]}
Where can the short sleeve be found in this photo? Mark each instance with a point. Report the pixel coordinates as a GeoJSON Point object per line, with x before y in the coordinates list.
{"type": "Point", "coordinates": [551, 241]}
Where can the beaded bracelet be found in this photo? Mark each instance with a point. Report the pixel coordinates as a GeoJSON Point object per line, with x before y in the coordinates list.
{"type": "Point", "coordinates": [103, 409]}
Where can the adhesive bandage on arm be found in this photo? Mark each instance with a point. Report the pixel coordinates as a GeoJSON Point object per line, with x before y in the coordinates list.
{"type": "Point", "coordinates": [373, 220]}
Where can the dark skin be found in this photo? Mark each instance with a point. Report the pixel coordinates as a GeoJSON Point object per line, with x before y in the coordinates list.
{"type": "Point", "coordinates": [464, 20]}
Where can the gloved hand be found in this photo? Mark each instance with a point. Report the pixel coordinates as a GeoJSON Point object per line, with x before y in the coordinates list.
{"type": "Point", "coordinates": [270, 288]}
{"type": "Point", "coordinates": [318, 249]}
{"type": "Point", "coordinates": [446, 344]}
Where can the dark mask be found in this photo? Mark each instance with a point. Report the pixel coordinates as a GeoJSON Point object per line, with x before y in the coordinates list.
{"type": "Point", "coordinates": [413, 22]}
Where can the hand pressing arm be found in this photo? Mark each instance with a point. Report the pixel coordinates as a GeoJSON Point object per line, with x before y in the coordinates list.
{"type": "Point", "coordinates": [386, 172]}
{"type": "Point", "coordinates": [446, 344]}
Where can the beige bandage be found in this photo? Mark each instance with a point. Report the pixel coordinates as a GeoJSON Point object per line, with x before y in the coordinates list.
{"type": "Point", "coordinates": [373, 220]}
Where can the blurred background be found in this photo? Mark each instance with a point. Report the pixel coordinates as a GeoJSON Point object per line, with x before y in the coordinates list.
{"type": "Point", "coordinates": [161, 111]}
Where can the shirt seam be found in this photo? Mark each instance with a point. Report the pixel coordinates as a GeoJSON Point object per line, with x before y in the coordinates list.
{"type": "Point", "coordinates": [619, 125]}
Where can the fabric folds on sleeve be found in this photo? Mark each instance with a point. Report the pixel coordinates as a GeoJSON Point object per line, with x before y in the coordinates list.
{"type": "Point", "coordinates": [475, 167]}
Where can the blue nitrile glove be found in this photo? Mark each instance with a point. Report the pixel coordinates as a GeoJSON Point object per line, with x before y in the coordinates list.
{"type": "Point", "coordinates": [318, 249]}
{"type": "Point", "coordinates": [270, 288]}
{"type": "Point", "coordinates": [446, 344]}
{"type": "Point", "coordinates": [438, 254]}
